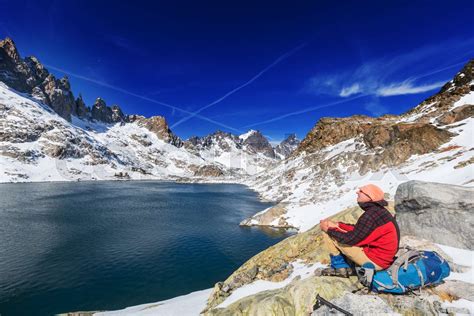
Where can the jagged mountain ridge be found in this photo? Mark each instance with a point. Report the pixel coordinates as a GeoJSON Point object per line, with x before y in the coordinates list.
{"type": "Point", "coordinates": [31, 132]}
{"type": "Point", "coordinates": [250, 151]}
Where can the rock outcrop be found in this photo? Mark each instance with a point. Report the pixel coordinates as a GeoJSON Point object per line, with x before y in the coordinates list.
{"type": "Point", "coordinates": [209, 171]}
{"type": "Point", "coordinates": [158, 126]}
{"type": "Point", "coordinates": [396, 140]}
{"type": "Point", "coordinates": [439, 212]}
{"type": "Point", "coordinates": [298, 297]}
{"type": "Point", "coordinates": [81, 110]}
{"type": "Point", "coordinates": [267, 217]}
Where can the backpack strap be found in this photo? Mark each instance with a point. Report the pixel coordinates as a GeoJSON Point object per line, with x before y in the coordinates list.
{"type": "Point", "coordinates": [403, 260]}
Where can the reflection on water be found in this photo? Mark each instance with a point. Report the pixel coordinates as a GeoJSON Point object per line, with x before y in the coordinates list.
{"type": "Point", "coordinates": [108, 245]}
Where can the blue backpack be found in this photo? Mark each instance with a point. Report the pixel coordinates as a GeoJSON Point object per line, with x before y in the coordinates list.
{"type": "Point", "coordinates": [411, 270]}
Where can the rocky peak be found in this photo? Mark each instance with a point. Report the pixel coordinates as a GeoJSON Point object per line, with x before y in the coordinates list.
{"type": "Point", "coordinates": [9, 47]}
{"type": "Point", "coordinates": [100, 111]}
{"type": "Point", "coordinates": [37, 69]}
{"type": "Point", "coordinates": [440, 105]}
{"type": "Point", "coordinates": [287, 146]}
{"type": "Point", "coordinates": [117, 114]}
{"type": "Point", "coordinates": [462, 78]}
{"type": "Point", "coordinates": [103, 113]}
{"type": "Point", "coordinates": [59, 96]}
{"type": "Point", "coordinates": [81, 110]}
{"type": "Point", "coordinates": [255, 142]}
{"type": "Point", "coordinates": [30, 76]}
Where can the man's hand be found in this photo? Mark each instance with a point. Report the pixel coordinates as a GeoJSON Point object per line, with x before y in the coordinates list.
{"type": "Point", "coordinates": [326, 224]}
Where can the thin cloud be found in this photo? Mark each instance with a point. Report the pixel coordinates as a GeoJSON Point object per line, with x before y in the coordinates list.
{"type": "Point", "coordinates": [407, 87]}
{"type": "Point", "coordinates": [381, 77]}
{"type": "Point", "coordinates": [259, 74]}
{"type": "Point", "coordinates": [348, 91]}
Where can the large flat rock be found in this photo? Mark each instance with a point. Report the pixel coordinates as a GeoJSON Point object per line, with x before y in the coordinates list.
{"type": "Point", "coordinates": [439, 212]}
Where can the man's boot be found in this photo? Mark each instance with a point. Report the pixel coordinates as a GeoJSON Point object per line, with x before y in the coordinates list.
{"type": "Point", "coordinates": [339, 268]}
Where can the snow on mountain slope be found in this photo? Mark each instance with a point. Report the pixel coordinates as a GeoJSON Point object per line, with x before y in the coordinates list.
{"type": "Point", "coordinates": [38, 145]}
{"type": "Point", "coordinates": [246, 135]}
{"type": "Point", "coordinates": [248, 153]}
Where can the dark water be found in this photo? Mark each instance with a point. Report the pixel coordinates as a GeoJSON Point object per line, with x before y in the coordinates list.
{"type": "Point", "coordinates": [108, 245]}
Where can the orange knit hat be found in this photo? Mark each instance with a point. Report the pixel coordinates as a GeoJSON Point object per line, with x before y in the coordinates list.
{"type": "Point", "coordinates": [373, 191]}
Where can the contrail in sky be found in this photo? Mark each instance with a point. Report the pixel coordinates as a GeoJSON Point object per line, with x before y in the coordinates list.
{"type": "Point", "coordinates": [273, 64]}
{"type": "Point", "coordinates": [439, 70]}
{"type": "Point", "coordinates": [105, 84]}
{"type": "Point", "coordinates": [313, 108]}
{"type": "Point", "coordinates": [277, 118]}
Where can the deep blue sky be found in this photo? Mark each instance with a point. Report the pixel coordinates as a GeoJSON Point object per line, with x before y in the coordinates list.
{"type": "Point", "coordinates": [322, 58]}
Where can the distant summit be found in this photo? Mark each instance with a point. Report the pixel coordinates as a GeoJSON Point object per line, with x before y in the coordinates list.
{"type": "Point", "coordinates": [287, 146]}
{"type": "Point", "coordinates": [28, 75]}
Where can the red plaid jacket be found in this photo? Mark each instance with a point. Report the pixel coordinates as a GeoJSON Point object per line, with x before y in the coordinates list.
{"type": "Point", "coordinates": [376, 231]}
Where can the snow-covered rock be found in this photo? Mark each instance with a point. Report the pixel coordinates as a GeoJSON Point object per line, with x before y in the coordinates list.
{"type": "Point", "coordinates": [250, 152]}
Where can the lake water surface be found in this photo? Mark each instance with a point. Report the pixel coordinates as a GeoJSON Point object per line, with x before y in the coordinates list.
{"type": "Point", "coordinates": [108, 245]}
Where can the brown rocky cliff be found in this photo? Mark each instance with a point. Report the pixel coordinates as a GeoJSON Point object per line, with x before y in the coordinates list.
{"type": "Point", "coordinates": [400, 136]}
{"type": "Point", "coordinates": [158, 126]}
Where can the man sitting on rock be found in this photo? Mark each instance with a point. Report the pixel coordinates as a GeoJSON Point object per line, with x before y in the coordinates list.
{"type": "Point", "coordinates": [374, 238]}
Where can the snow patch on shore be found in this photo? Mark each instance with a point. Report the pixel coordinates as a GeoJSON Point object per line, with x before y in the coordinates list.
{"type": "Point", "coordinates": [186, 305]}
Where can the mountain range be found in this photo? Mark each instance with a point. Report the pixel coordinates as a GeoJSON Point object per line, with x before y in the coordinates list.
{"type": "Point", "coordinates": [48, 134]}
